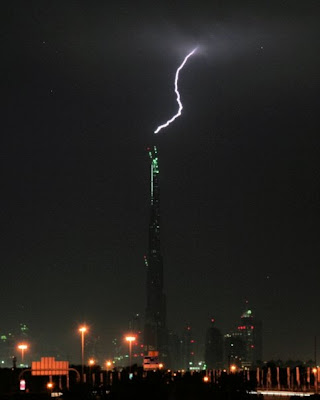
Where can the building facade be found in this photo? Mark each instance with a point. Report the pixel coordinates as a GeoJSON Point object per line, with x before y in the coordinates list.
{"type": "Point", "coordinates": [243, 346]}
{"type": "Point", "coordinates": [213, 347]}
{"type": "Point", "coordinates": [155, 330]}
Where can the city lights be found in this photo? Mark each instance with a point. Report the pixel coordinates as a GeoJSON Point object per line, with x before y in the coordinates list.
{"type": "Point", "coordinates": [23, 347]}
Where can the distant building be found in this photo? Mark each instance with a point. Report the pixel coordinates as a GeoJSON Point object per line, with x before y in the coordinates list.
{"type": "Point", "coordinates": [188, 348]}
{"type": "Point", "coordinates": [174, 351]}
{"type": "Point", "coordinates": [234, 350]}
{"type": "Point", "coordinates": [244, 345]}
{"type": "Point", "coordinates": [135, 324]}
{"type": "Point", "coordinates": [213, 347]}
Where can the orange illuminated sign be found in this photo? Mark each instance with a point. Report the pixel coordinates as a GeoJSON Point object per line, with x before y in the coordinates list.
{"type": "Point", "coordinates": [49, 366]}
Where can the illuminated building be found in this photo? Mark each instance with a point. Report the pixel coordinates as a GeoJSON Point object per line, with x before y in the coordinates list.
{"type": "Point", "coordinates": [188, 348]}
{"type": "Point", "coordinates": [155, 332]}
{"type": "Point", "coordinates": [234, 349]}
{"type": "Point", "coordinates": [213, 347]}
{"type": "Point", "coordinates": [243, 347]}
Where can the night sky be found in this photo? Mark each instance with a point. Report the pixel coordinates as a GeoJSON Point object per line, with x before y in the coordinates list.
{"type": "Point", "coordinates": [84, 85]}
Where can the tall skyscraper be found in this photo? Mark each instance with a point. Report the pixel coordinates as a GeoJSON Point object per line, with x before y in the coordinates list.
{"type": "Point", "coordinates": [155, 331]}
{"type": "Point", "coordinates": [213, 347]}
{"type": "Point", "coordinates": [188, 348]}
{"type": "Point", "coordinates": [244, 345]}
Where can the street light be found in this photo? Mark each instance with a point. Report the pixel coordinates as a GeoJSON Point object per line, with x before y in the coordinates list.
{"type": "Point", "coordinates": [315, 373]}
{"type": "Point", "coordinates": [130, 339]}
{"type": "Point", "coordinates": [91, 363]}
{"type": "Point", "coordinates": [108, 364]}
{"type": "Point", "coordinates": [233, 368]}
{"type": "Point", "coordinates": [82, 330]}
{"type": "Point", "coordinates": [22, 347]}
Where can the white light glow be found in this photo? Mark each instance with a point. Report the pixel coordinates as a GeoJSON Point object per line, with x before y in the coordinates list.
{"type": "Point", "coordinates": [177, 93]}
{"type": "Point", "coordinates": [281, 393]}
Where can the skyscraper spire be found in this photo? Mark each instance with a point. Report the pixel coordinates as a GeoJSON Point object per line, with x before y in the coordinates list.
{"type": "Point", "coordinates": [155, 317]}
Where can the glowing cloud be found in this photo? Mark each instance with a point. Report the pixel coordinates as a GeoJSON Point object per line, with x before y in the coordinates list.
{"type": "Point", "coordinates": [177, 93]}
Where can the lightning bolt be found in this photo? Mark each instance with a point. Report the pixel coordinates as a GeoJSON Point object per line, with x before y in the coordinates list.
{"type": "Point", "coordinates": [177, 93]}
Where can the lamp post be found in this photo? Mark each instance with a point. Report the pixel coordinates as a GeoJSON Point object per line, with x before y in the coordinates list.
{"type": "Point", "coordinates": [315, 373]}
{"type": "Point", "coordinates": [108, 365]}
{"type": "Point", "coordinates": [91, 363]}
{"type": "Point", "coordinates": [22, 347]}
{"type": "Point", "coordinates": [130, 339]}
{"type": "Point", "coordinates": [82, 330]}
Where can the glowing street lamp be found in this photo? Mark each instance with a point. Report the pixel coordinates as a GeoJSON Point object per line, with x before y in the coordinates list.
{"type": "Point", "coordinates": [315, 373]}
{"type": "Point", "coordinates": [91, 363]}
{"type": "Point", "coordinates": [130, 339]}
{"type": "Point", "coordinates": [108, 365]}
{"type": "Point", "coordinates": [82, 330]}
{"type": "Point", "coordinates": [233, 368]}
{"type": "Point", "coordinates": [22, 347]}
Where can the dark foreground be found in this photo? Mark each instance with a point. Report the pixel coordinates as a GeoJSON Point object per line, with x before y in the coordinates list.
{"type": "Point", "coordinates": [115, 385]}
{"type": "Point", "coordinates": [153, 386]}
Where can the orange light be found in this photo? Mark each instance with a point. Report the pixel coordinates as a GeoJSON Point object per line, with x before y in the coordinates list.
{"type": "Point", "coordinates": [108, 363]}
{"type": "Point", "coordinates": [233, 368]}
{"type": "Point", "coordinates": [314, 370]}
{"type": "Point", "coordinates": [91, 361]}
{"type": "Point", "coordinates": [83, 329]}
{"type": "Point", "coordinates": [22, 346]}
{"type": "Point", "coordinates": [130, 338]}
{"type": "Point", "coordinates": [160, 366]}
{"type": "Point", "coordinates": [49, 385]}
{"type": "Point", "coordinates": [205, 379]}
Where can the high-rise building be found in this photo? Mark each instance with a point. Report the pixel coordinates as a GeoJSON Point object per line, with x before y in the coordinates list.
{"type": "Point", "coordinates": [213, 347]}
{"type": "Point", "coordinates": [155, 331]}
{"type": "Point", "coordinates": [234, 349]}
{"type": "Point", "coordinates": [188, 348]}
{"type": "Point", "coordinates": [175, 355]}
{"type": "Point", "coordinates": [244, 345]}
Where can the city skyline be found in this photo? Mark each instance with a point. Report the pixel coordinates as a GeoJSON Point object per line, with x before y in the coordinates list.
{"type": "Point", "coordinates": [84, 88]}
